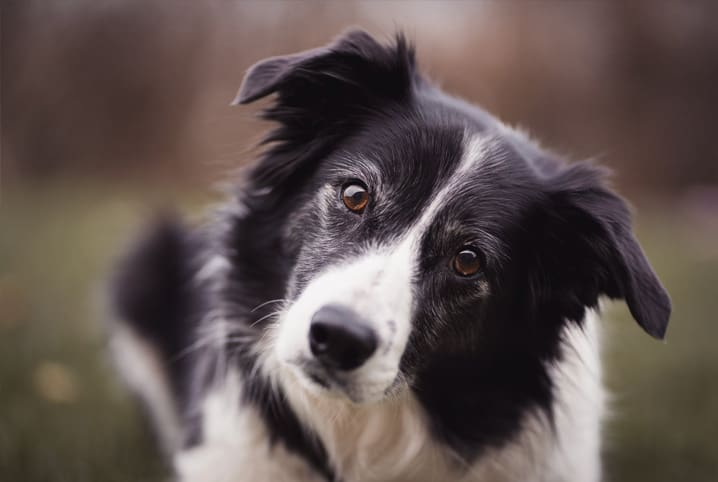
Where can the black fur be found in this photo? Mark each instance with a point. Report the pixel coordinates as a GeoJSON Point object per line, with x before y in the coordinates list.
{"type": "Point", "coordinates": [553, 239]}
{"type": "Point", "coordinates": [152, 291]}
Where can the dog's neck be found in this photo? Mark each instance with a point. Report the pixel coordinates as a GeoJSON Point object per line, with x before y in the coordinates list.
{"type": "Point", "coordinates": [386, 440]}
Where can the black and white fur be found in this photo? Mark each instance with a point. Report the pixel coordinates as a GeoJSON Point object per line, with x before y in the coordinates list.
{"type": "Point", "coordinates": [492, 377]}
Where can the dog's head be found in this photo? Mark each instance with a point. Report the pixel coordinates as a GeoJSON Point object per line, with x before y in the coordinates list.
{"type": "Point", "coordinates": [418, 236]}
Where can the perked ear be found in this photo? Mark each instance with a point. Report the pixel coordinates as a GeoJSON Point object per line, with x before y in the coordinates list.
{"type": "Point", "coordinates": [324, 95]}
{"type": "Point", "coordinates": [586, 237]}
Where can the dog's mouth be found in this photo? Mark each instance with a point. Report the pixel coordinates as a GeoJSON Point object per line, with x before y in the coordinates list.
{"type": "Point", "coordinates": [319, 377]}
{"type": "Point", "coordinates": [325, 382]}
{"type": "Point", "coordinates": [319, 380]}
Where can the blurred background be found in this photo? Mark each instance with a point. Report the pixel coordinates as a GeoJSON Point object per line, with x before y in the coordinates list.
{"type": "Point", "coordinates": [112, 109]}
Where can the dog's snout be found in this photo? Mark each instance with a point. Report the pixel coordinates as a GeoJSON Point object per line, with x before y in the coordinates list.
{"type": "Point", "coordinates": [340, 339]}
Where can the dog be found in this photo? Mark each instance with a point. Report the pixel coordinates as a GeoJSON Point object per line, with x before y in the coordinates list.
{"type": "Point", "coordinates": [402, 288]}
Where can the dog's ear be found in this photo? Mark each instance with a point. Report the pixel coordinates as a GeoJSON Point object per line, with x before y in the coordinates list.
{"type": "Point", "coordinates": [322, 96]}
{"type": "Point", "coordinates": [355, 62]}
{"type": "Point", "coordinates": [586, 248]}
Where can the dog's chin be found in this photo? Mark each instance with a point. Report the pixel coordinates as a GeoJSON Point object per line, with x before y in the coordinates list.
{"type": "Point", "coordinates": [323, 384]}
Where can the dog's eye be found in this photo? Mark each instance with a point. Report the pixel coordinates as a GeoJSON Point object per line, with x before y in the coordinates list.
{"type": "Point", "coordinates": [355, 197]}
{"type": "Point", "coordinates": [467, 262]}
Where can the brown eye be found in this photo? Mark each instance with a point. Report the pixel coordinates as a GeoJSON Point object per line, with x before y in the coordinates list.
{"type": "Point", "coordinates": [355, 197]}
{"type": "Point", "coordinates": [467, 262]}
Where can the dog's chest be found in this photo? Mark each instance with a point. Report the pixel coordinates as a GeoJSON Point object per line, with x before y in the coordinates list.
{"type": "Point", "coordinates": [382, 442]}
{"type": "Point", "coordinates": [391, 442]}
{"type": "Point", "coordinates": [235, 444]}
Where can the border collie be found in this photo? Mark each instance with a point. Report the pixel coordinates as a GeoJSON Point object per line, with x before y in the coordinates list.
{"type": "Point", "coordinates": [402, 289]}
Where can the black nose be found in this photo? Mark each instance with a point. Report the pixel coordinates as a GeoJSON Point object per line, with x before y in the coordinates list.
{"type": "Point", "coordinates": [340, 339]}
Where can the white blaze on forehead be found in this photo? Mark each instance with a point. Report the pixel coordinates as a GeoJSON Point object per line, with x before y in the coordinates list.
{"type": "Point", "coordinates": [379, 286]}
{"type": "Point", "coordinates": [476, 149]}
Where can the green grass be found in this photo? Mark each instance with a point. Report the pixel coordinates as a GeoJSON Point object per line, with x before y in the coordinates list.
{"type": "Point", "coordinates": [64, 416]}
{"type": "Point", "coordinates": [666, 394]}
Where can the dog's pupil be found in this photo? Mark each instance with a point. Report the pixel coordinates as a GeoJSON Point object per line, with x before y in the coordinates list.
{"type": "Point", "coordinates": [355, 197]}
{"type": "Point", "coordinates": [467, 262]}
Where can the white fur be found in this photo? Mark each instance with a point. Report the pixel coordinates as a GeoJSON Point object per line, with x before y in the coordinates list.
{"type": "Point", "coordinates": [142, 370]}
{"type": "Point", "coordinates": [211, 270]}
{"type": "Point", "coordinates": [378, 284]}
{"type": "Point", "coordinates": [580, 404]}
{"type": "Point", "coordinates": [235, 444]}
{"type": "Point", "coordinates": [389, 440]}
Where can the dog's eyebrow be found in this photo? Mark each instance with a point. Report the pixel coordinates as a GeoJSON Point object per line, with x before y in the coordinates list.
{"type": "Point", "coordinates": [471, 234]}
{"type": "Point", "coordinates": [356, 165]}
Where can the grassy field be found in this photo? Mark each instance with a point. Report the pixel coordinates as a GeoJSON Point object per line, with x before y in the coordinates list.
{"type": "Point", "coordinates": [64, 417]}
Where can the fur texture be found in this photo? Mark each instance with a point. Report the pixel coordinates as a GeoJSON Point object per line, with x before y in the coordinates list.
{"type": "Point", "coordinates": [492, 375]}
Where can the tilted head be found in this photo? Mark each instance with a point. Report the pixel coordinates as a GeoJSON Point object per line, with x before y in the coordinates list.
{"type": "Point", "coordinates": [417, 241]}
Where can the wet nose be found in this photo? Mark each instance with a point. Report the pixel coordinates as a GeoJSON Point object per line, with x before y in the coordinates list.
{"type": "Point", "coordinates": [340, 339]}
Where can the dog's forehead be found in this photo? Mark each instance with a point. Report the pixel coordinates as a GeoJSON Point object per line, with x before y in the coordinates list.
{"type": "Point", "coordinates": [442, 166]}
{"type": "Point", "coordinates": [405, 152]}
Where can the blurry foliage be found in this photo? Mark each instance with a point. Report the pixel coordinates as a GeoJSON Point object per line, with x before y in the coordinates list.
{"type": "Point", "coordinates": [125, 87]}
{"type": "Point", "coordinates": [64, 415]}
{"type": "Point", "coordinates": [97, 86]}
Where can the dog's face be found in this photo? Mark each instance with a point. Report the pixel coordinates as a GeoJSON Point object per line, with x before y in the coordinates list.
{"type": "Point", "coordinates": [421, 237]}
{"type": "Point", "coordinates": [398, 249]}
{"type": "Point", "coordinates": [389, 246]}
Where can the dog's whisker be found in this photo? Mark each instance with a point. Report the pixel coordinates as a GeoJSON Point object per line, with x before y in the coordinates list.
{"type": "Point", "coordinates": [269, 315]}
{"type": "Point", "coordinates": [262, 305]}
{"type": "Point", "coordinates": [200, 343]}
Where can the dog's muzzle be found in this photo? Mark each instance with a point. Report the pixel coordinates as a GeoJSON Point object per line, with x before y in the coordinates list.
{"type": "Point", "coordinates": [340, 339]}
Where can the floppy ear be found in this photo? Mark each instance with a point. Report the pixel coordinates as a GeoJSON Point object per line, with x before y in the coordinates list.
{"type": "Point", "coordinates": [587, 246]}
{"type": "Point", "coordinates": [323, 95]}
{"type": "Point", "coordinates": [355, 61]}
